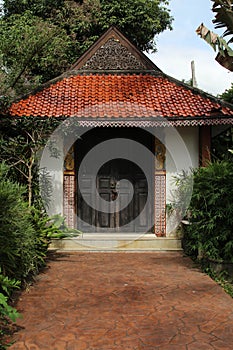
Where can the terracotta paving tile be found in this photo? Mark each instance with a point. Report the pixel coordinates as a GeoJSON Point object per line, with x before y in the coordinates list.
{"type": "Point", "coordinates": [220, 345]}
{"type": "Point", "coordinates": [98, 301]}
{"type": "Point", "coordinates": [199, 346]}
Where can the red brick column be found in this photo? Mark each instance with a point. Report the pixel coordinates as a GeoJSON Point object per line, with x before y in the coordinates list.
{"type": "Point", "coordinates": [69, 200]}
{"type": "Point", "coordinates": [160, 203]}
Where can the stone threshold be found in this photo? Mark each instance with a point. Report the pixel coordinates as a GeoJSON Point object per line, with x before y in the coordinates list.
{"type": "Point", "coordinates": [117, 242]}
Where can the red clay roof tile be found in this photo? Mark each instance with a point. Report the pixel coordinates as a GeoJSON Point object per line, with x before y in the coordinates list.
{"type": "Point", "coordinates": [118, 96]}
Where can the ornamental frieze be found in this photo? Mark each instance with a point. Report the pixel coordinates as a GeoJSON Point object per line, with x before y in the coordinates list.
{"type": "Point", "coordinates": [113, 56]}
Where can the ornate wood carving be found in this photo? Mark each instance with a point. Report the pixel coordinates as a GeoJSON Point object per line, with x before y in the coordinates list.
{"type": "Point", "coordinates": [69, 162]}
{"type": "Point", "coordinates": [113, 56]}
{"type": "Point", "coordinates": [160, 155]}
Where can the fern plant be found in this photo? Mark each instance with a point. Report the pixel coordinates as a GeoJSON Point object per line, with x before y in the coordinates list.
{"type": "Point", "coordinates": [7, 312]}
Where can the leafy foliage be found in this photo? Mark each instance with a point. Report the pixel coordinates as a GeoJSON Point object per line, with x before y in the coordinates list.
{"type": "Point", "coordinates": [221, 278]}
{"type": "Point", "coordinates": [224, 16]}
{"type": "Point", "coordinates": [25, 233]}
{"type": "Point", "coordinates": [223, 10]}
{"type": "Point", "coordinates": [43, 8]}
{"type": "Point", "coordinates": [227, 95]}
{"type": "Point", "coordinates": [29, 49]}
{"type": "Point", "coordinates": [90, 18]}
{"type": "Point", "coordinates": [20, 143]}
{"type": "Point", "coordinates": [34, 34]}
{"type": "Point", "coordinates": [48, 228]}
{"type": "Point", "coordinates": [221, 145]}
{"type": "Point", "coordinates": [224, 141]}
{"type": "Point", "coordinates": [211, 209]}
{"type": "Point", "coordinates": [7, 312]}
{"type": "Point", "coordinates": [17, 247]}
{"type": "Point", "coordinates": [8, 284]}
{"type": "Point", "coordinates": [127, 15]}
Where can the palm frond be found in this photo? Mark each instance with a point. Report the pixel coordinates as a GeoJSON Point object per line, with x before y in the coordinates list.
{"type": "Point", "coordinates": [223, 10]}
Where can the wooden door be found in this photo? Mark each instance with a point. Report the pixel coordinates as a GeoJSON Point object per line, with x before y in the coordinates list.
{"type": "Point", "coordinates": [107, 183]}
{"type": "Point", "coordinates": [129, 219]}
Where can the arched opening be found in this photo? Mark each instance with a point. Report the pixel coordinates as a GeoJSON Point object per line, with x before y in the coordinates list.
{"type": "Point", "coordinates": [114, 182]}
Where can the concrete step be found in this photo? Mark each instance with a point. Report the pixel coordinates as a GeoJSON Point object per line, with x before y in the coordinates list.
{"type": "Point", "coordinates": [117, 242]}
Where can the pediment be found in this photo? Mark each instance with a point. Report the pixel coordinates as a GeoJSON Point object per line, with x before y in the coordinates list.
{"type": "Point", "coordinates": [114, 52]}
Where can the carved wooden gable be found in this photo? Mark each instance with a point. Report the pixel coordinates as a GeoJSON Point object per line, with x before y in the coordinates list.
{"type": "Point", "coordinates": [113, 55]}
{"type": "Point", "coordinates": [114, 52]}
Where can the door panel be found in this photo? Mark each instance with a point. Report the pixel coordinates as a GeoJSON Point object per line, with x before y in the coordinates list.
{"type": "Point", "coordinates": [122, 220]}
{"type": "Point", "coordinates": [126, 215]}
{"type": "Point", "coordinates": [85, 212]}
{"type": "Point", "coordinates": [142, 197]}
{"type": "Point", "coordinates": [103, 217]}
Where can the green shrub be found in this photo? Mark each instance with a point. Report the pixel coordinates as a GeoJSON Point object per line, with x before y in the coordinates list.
{"type": "Point", "coordinates": [7, 312]}
{"type": "Point", "coordinates": [48, 228]}
{"type": "Point", "coordinates": [6, 287]}
{"type": "Point", "coordinates": [211, 212]}
{"type": "Point", "coordinates": [25, 234]}
{"type": "Point", "coordinates": [17, 246]}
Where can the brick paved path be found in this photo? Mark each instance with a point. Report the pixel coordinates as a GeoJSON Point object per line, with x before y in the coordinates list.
{"type": "Point", "coordinates": [124, 301]}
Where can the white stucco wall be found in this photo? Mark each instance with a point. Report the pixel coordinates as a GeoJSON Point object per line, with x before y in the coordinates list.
{"type": "Point", "coordinates": [182, 154]}
{"type": "Point", "coordinates": [52, 163]}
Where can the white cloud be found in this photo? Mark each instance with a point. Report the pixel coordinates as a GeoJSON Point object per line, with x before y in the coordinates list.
{"type": "Point", "coordinates": [176, 62]}
{"type": "Point", "coordinates": [177, 48]}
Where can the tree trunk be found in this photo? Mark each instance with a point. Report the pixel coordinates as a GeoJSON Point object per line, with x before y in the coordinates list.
{"type": "Point", "coordinates": [30, 176]}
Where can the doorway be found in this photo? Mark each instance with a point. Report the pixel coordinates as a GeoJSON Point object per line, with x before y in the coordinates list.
{"type": "Point", "coordinates": [119, 183]}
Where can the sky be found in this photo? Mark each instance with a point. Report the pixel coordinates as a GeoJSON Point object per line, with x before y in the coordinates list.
{"type": "Point", "coordinates": [177, 48]}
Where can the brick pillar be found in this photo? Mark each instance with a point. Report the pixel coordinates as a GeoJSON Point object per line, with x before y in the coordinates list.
{"type": "Point", "coordinates": [69, 200]}
{"type": "Point", "coordinates": [160, 204]}
{"type": "Point", "coordinates": [205, 145]}
{"type": "Point", "coordinates": [69, 190]}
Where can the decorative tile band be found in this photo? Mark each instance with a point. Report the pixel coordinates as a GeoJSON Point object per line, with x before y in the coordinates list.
{"type": "Point", "coordinates": [69, 200]}
{"type": "Point", "coordinates": [160, 204]}
{"type": "Point", "coordinates": [154, 123]}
